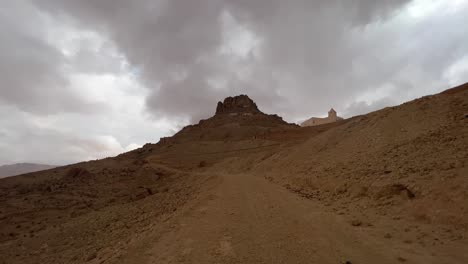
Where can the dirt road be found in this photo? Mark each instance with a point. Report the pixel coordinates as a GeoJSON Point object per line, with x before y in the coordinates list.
{"type": "Point", "coordinates": [246, 219]}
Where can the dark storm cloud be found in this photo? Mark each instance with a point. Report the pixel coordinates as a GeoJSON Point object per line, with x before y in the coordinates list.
{"type": "Point", "coordinates": [70, 63]}
{"type": "Point", "coordinates": [305, 47]}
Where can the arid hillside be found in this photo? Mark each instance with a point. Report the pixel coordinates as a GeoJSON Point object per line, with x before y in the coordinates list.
{"type": "Point", "coordinates": [408, 161]}
{"type": "Point", "coordinates": [246, 187]}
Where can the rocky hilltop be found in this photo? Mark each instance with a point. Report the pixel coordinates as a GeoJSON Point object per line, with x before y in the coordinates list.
{"type": "Point", "coordinates": [235, 118]}
{"type": "Point", "coordinates": [237, 105]}
{"type": "Point", "coordinates": [246, 187]}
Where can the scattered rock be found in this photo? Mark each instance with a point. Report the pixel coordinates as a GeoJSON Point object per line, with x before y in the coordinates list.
{"type": "Point", "coordinates": [401, 259]}
{"type": "Point", "coordinates": [341, 189]}
{"type": "Point", "coordinates": [78, 174]}
{"type": "Point", "coordinates": [150, 192]}
{"type": "Point", "coordinates": [91, 256]}
{"type": "Point", "coordinates": [142, 193]}
{"type": "Point", "coordinates": [395, 189]}
{"type": "Point", "coordinates": [356, 222]}
{"type": "Point", "coordinates": [359, 191]}
{"type": "Point", "coordinates": [140, 162]}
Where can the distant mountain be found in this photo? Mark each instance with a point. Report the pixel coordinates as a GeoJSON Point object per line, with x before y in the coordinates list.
{"type": "Point", "coordinates": [22, 168]}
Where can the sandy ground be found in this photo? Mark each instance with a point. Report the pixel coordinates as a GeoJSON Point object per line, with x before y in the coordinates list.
{"type": "Point", "coordinates": [247, 219]}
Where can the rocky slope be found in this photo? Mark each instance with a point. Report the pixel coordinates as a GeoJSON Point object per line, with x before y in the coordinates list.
{"type": "Point", "coordinates": [390, 185]}
{"type": "Point", "coordinates": [406, 162]}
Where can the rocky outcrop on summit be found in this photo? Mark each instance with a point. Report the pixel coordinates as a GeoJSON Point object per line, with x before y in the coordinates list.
{"type": "Point", "coordinates": [236, 118]}
{"type": "Point", "coordinates": [237, 104]}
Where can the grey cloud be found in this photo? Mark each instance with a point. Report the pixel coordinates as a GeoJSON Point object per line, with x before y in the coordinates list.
{"type": "Point", "coordinates": [34, 144]}
{"type": "Point", "coordinates": [27, 64]}
{"type": "Point", "coordinates": [173, 97]}
{"type": "Point", "coordinates": [25, 138]}
{"type": "Point", "coordinates": [159, 35]}
{"type": "Point", "coordinates": [32, 71]}
{"type": "Point", "coordinates": [303, 41]}
{"type": "Point", "coordinates": [360, 107]}
{"type": "Point", "coordinates": [102, 60]}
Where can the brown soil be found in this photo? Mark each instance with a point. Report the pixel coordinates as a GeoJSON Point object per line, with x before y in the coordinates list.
{"type": "Point", "coordinates": [387, 187]}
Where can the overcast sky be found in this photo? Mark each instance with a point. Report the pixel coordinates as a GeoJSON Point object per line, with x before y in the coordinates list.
{"type": "Point", "coordinates": [87, 79]}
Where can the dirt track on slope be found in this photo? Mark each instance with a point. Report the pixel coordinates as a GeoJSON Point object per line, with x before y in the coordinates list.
{"type": "Point", "coordinates": [246, 219]}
